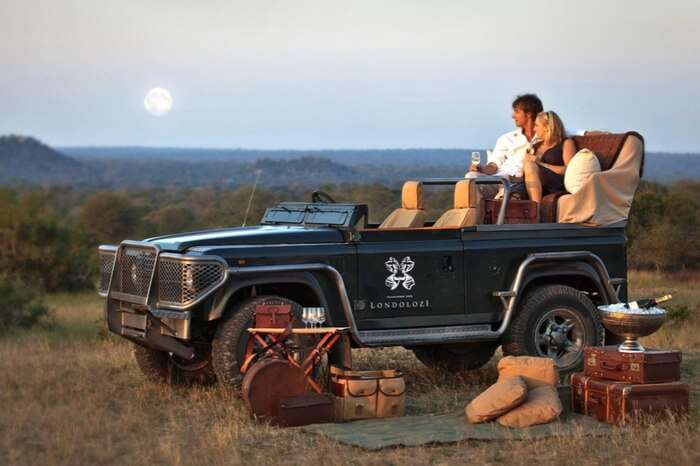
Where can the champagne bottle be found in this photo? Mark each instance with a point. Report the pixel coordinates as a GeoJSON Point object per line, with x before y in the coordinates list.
{"type": "Point", "coordinates": [649, 302]}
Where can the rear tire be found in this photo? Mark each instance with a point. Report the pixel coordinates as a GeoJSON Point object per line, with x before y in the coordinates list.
{"type": "Point", "coordinates": [162, 367]}
{"type": "Point", "coordinates": [555, 321]}
{"type": "Point", "coordinates": [460, 357]}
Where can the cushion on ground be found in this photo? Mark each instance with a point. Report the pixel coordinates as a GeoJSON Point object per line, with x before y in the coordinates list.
{"type": "Point", "coordinates": [496, 400]}
{"type": "Point", "coordinates": [536, 372]}
{"type": "Point", "coordinates": [541, 406]}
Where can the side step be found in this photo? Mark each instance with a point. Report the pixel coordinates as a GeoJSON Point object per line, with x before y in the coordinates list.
{"type": "Point", "coordinates": [428, 335]}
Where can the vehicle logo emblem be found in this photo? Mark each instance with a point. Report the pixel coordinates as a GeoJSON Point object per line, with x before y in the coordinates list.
{"type": "Point", "coordinates": [399, 273]}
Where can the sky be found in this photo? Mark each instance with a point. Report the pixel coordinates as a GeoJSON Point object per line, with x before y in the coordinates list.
{"type": "Point", "coordinates": [345, 74]}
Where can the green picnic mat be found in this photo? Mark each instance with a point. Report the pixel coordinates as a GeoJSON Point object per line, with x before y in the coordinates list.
{"type": "Point", "coordinates": [375, 434]}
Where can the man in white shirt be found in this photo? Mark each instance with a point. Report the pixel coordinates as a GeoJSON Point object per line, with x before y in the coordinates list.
{"type": "Point", "coordinates": [506, 159]}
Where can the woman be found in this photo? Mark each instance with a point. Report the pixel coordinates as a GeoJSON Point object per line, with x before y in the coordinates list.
{"type": "Point", "coordinates": [544, 168]}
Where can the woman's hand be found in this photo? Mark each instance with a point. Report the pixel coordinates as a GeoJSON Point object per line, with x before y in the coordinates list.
{"type": "Point", "coordinates": [531, 158]}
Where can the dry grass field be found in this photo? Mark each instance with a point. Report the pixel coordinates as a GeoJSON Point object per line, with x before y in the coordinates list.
{"type": "Point", "coordinates": [71, 394]}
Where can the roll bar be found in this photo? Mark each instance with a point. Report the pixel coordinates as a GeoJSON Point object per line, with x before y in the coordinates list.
{"type": "Point", "coordinates": [479, 180]}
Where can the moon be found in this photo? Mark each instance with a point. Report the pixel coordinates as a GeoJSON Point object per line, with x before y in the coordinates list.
{"type": "Point", "coordinates": [158, 101]}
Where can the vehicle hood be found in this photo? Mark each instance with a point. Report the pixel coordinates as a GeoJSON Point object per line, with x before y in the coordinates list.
{"type": "Point", "coordinates": [257, 235]}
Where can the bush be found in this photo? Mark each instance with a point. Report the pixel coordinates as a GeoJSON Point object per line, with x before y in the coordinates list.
{"type": "Point", "coordinates": [678, 312]}
{"type": "Point", "coordinates": [21, 305]}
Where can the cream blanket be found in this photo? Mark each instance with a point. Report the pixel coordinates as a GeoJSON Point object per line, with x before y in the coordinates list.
{"type": "Point", "coordinates": [607, 196]}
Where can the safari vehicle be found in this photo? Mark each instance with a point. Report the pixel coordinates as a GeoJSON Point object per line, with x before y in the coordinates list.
{"type": "Point", "coordinates": [452, 290]}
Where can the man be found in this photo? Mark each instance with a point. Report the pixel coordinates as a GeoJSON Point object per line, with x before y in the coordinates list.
{"type": "Point", "coordinates": [506, 159]}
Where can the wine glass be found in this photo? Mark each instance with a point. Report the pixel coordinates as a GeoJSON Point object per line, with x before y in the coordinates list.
{"type": "Point", "coordinates": [321, 316]}
{"type": "Point", "coordinates": [305, 316]}
{"type": "Point", "coordinates": [476, 158]}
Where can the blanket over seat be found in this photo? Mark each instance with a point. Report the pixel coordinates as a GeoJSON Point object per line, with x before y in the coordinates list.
{"type": "Point", "coordinates": [607, 196]}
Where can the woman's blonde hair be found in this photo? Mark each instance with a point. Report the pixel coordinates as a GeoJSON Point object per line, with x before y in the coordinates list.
{"type": "Point", "coordinates": [555, 128]}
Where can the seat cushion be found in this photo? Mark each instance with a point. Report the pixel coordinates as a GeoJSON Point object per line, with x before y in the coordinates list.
{"type": "Point", "coordinates": [458, 218]}
{"type": "Point", "coordinates": [541, 406]}
{"type": "Point", "coordinates": [467, 207]}
{"type": "Point", "coordinates": [411, 213]}
{"type": "Point", "coordinates": [536, 372]}
{"type": "Point", "coordinates": [580, 169]}
{"type": "Point", "coordinates": [496, 400]}
{"type": "Point", "coordinates": [405, 218]}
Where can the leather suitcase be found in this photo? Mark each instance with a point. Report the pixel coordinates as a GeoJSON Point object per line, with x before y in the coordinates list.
{"type": "Point", "coordinates": [651, 366]}
{"type": "Point", "coordinates": [620, 403]}
{"type": "Point", "coordinates": [516, 211]}
{"type": "Point", "coordinates": [273, 313]}
{"type": "Point", "coordinates": [302, 410]}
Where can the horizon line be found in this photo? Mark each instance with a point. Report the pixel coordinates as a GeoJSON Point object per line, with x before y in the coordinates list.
{"type": "Point", "coordinates": [328, 149]}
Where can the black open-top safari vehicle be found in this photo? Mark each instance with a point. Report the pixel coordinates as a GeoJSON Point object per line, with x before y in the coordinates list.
{"type": "Point", "coordinates": [452, 290]}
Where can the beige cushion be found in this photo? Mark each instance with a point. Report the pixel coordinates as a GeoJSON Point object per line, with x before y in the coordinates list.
{"type": "Point", "coordinates": [541, 406]}
{"type": "Point", "coordinates": [467, 207]}
{"type": "Point", "coordinates": [496, 400]}
{"type": "Point", "coordinates": [536, 372]}
{"type": "Point", "coordinates": [411, 213]}
{"type": "Point", "coordinates": [580, 169]}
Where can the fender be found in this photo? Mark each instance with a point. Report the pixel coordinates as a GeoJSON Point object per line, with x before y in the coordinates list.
{"type": "Point", "coordinates": [235, 284]}
{"type": "Point", "coordinates": [571, 269]}
{"type": "Point", "coordinates": [509, 298]}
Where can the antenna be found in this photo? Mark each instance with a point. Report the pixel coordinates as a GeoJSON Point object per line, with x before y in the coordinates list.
{"type": "Point", "coordinates": [258, 172]}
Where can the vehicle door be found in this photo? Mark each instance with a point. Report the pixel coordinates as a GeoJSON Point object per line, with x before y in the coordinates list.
{"type": "Point", "coordinates": [409, 278]}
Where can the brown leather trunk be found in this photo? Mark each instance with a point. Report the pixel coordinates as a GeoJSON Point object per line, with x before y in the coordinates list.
{"type": "Point", "coordinates": [305, 409]}
{"type": "Point", "coordinates": [516, 211]}
{"type": "Point", "coordinates": [651, 366]}
{"type": "Point", "coordinates": [620, 403]}
{"type": "Point", "coordinates": [267, 383]}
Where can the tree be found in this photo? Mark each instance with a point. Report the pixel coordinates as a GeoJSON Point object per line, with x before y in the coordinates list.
{"type": "Point", "coordinates": [109, 217]}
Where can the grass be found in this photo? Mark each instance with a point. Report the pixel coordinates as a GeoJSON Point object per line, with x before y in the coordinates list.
{"type": "Point", "coordinates": [71, 394]}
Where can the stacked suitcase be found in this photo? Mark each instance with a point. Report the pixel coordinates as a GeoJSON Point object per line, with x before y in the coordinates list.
{"type": "Point", "coordinates": [619, 388]}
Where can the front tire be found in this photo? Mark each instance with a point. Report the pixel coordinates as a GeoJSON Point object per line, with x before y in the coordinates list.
{"type": "Point", "coordinates": [231, 339]}
{"type": "Point", "coordinates": [162, 367]}
{"type": "Point", "coordinates": [460, 357]}
{"type": "Point", "coordinates": [555, 321]}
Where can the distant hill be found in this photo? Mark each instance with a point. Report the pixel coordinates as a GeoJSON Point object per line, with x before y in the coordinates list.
{"type": "Point", "coordinates": [345, 156]}
{"type": "Point", "coordinates": [404, 163]}
{"type": "Point", "coordinates": [26, 160]}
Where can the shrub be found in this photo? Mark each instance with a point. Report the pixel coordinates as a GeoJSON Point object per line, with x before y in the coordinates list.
{"type": "Point", "coordinates": [21, 305]}
{"type": "Point", "coordinates": [678, 312]}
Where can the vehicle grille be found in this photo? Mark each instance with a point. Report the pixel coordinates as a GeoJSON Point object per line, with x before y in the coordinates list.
{"type": "Point", "coordinates": [106, 266]}
{"type": "Point", "coordinates": [181, 283]}
{"type": "Point", "coordinates": [135, 266]}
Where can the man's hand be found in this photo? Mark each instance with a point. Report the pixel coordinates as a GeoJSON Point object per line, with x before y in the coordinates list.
{"type": "Point", "coordinates": [488, 169]}
{"type": "Point", "coordinates": [474, 167]}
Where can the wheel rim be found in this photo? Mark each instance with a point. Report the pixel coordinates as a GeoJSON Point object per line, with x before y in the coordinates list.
{"type": "Point", "coordinates": [560, 334]}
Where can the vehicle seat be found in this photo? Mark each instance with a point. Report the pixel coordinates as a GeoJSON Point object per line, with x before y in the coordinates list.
{"type": "Point", "coordinates": [411, 213]}
{"type": "Point", "coordinates": [467, 211]}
